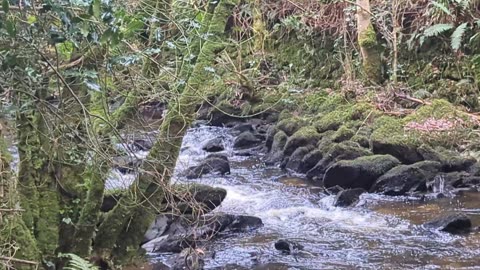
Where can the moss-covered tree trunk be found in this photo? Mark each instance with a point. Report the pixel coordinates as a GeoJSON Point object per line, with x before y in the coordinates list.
{"type": "Point", "coordinates": [367, 41]}
{"type": "Point", "coordinates": [125, 225]}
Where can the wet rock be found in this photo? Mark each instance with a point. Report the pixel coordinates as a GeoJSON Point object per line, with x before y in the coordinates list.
{"type": "Point", "coordinates": [184, 231]}
{"type": "Point", "coordinates": [109, 202]}
{"type": "Point", "coordinates": [310, 160]}
{"type": "Point", "coordinates": [288, 246]}
{"type": "Point", "coordinates": [245, 140]}
{"type": "Point", "coordinates": [358, 173]}
{"type": "Point", "coordinates": [295, 160]}
{"type": "Point", "coordinates": [460, 179]}
{"type": "Point", "coordinates": [188, 259]}
{"type": "Point", "coordinates": [405, 179]}
{"type": "Point", "coordinates": [153, 110]}
{"type": "Point", "coordinates": [250, 151]}
{"type": "Point", "coordinates": [348, 197]}
{"type": "Point", "coordinates": [454, 224]}
{"type": "Point", "coordinates": [303, 137]}
{"type": "Point", "coordinates": [333, 190]}
{"type": "Point", "coordinates": [276, 152]}
{"type": "Point", "coordinates": [341, 151]}
{"type": "Point", "coordinates": [223, 113]}
{"type": "Point", "coordinates": [214, 145]}
{"type": "Point", "coordinates": [239, 128]}
{"type": "Point", "coordinates": [143, 144]}
{"type": "Point", "coordinates": [209, 165]}
{"type": "Point", "coordinates": [271, 132]}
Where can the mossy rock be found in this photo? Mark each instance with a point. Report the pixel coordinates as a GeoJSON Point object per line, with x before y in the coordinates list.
{"type": "Point", "coordinates": [305, 136]}
{"type": "Point", "coordinates": [276, 152]}
{"type": "Point", "coordinates": [405, 179]}
{"type": "Point", "coordinates": [223, 113]}
{"type": "Point", "coordinates": [291, 125]}
{"type": "Point", "coordinates": [342, 134]}
{"type": "Point", "coordinates": [451, 161]}
{"type": "Point", "coordinates": [342, 115]}
{"type": "Point", "coordinates": [338, 151]}
{"type": "Point", "coordinates": [359, 173]}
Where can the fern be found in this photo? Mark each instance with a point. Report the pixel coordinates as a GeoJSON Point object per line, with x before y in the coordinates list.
{"type": "Point", "coordinates": [457, 36]}
{"type": "Point", "coordinates": [437, 29]}
{"type": "Point", "coordinates": [77, 263]}
{"type": "Point", "coordinates": [442, 7]}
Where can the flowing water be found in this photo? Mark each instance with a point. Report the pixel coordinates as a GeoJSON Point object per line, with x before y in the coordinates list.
{"type": "Point", "coordinates": [378, 233]}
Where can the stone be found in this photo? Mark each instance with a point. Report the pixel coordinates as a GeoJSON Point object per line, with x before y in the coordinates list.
{"type": "Point", "coordinates": [209, 165]}
{"type": "Point", "coordinates": [287, 246]}
{"type": "Point", "coordinates": [348, 197]}
{"type": "Point", "coordinates": [310, 160]}
{"type": "Point", "coordinates": [143, 144]}
{"type": "Point", "coordinates": [239, 128]}
{"type": "Point", "coordinates": [340, 151]}
{"type": "Point", "coordinates": [451, 161]}
{"type": "Point", "coordinates": [188, 259]}
{"type": "Point", "coordinates": [214, 145]}
{"type": "Point", "coordinates": [360, 172]}
{"type": "Point", "coordinates": [406, 179]}
{"type": "Point", "coordinates": [246, 140]}
{"type": "Point", "coordinates": [453, 223]}
{"type": "Point", "coordinates": [290, 125]}
{"type": "Point", "coordinates": [276, 152]}
{"type": "Point", "coordinates": [303, 137]}
{"type": "Point", "coordinates": [295, 160]}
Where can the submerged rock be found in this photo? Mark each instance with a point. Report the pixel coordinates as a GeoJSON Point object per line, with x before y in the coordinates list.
{"type": "Point", "coordinates": [454, 224]}
{"type": "Point", "coordinates": [245, 140]}
{"type": "Point", "coordinates": [407, 178]}
{"type": "Point", "coordinates": [358, 173]}
{"type": "Point", "coordinates": [348, 197]}
{"type": "Point", "coordinates": [288, 246]}
{"type": "Point", "coordinates": [214, 145]}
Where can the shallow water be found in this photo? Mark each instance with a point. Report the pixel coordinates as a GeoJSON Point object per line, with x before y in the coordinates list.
{"type": "Point", "coordinates": [379, 233]}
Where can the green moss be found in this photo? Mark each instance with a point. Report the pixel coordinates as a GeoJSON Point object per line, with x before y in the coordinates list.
{"type": "Point", "coordinates": [343, 114]}
{"type": "Point", "coordinates": [291, 125]}
{"type": "Point", "coordinates": [342, 134]}
{"type": "Point", "coordinates": [305, 136]}
{"type": "Point", "coordinates": [368, 38]}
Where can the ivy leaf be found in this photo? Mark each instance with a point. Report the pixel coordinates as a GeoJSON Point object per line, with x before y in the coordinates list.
{"type": "Point", "coordinates": [5, 6]}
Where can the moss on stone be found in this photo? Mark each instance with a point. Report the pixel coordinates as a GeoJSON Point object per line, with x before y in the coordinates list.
{"type": "Point", "coordinates": [291, 125]}
{"type": "Point", "coordinates": [307, 135]}
{"type": "Point", "coordinates": [342, 134]}
{"type": "Point", "coordinates": [342, 115]}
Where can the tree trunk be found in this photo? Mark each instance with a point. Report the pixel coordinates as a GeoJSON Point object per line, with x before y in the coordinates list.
{"type": "Point", "coordinates": [125, 225]}
{"type": "Point", "coordinates": [367, 40]}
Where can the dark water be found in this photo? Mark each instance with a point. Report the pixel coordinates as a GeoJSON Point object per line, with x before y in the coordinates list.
{"type": "Point", "coordinates": [379, 233]}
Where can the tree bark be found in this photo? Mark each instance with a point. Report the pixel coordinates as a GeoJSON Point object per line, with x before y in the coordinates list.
{"type": "Point", "coordinates": [367, 41]}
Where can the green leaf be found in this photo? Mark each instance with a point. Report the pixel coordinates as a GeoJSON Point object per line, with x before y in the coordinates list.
{"type": "Point", "coordinates": [31, 19]}
{"type": "Point", "coordinates": [437, 29]}
{"type": "Point", "coordinates": [10, 26]}
{"type": "Point", "coordinates": [97, 8]}
{"type": "Point", "coordinates": [5, 6]}
{"type": "Point", "coordinates": [442, 7]}
{"type": "Point", "coordinates": [457, 36]}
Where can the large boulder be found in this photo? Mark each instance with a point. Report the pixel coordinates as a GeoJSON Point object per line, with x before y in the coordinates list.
{"type": "Point", "coordinates": [276, 151]}
{"type": "Point", "coordinates": [342, 151]}
{"type": "Point", "coordinates": [454, 224]}
{"type": "Point", "coordinates": [358, 173]}
{"type": "Point", "coordinates": [407, 178]}
{"type": "Point", "coordinates": [303, 137]}
{"type": "Point", "coordinates": [214, 145]}
{"type": "Point", "coordinates": [212, 164]}
{"type": "Point", "coordinates": [348, 197]}
{"type": "Point", "coordinates": [246, 140]}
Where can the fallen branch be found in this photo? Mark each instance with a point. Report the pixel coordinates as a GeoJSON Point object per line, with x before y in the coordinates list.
{"type": "Point", "coordinates": [10, 259]}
